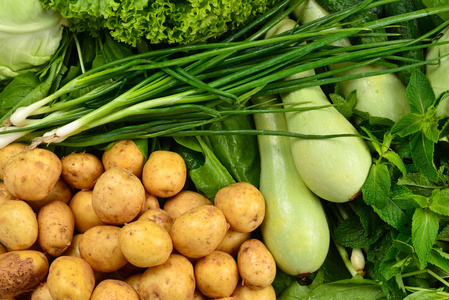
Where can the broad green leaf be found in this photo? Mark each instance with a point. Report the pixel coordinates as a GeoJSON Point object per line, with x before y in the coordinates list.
{"type": "Point", "coordinates": [350, 233]}
{"type": "Point", "coordinates": [439, 202]}
{"type": "Point", "coordinates": [396, 160]}
{"type": "Point", "coordinates": [408, 124]}
{"type": "Point", "coordinates": [295, 292]}
{"type": "Point", "coordinates": [420, 93]}
{"type": "Point", "coordinates": [422, 150]}
{"type": "Point", "coordinates": [377, 186]}
{"type": "Point", "coordinates": [416, 200]}
{"type": "Point", "coordinates": [439, 258]}
{"type": "Point", "coordinates": [424, 233]}
{"type": "Point", "coordinates": [428, 295]}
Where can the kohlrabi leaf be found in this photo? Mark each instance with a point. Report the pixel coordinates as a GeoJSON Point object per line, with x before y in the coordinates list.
{"type": "Point", "coordinates": [29, 36]}
{"type": "Point", "coordinates": [424, 233]}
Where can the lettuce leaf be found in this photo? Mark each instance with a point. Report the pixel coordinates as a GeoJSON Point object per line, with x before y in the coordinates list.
{"type": "Point", "coordinates": [159, 21]}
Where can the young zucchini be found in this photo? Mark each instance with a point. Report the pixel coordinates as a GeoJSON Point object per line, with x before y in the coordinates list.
{"type": "Point", "coordinates": [381, 96]}
{"type": "Point", "coordinates": [295, 228]}
{"type": "Point", "coordinates": [336, 168]}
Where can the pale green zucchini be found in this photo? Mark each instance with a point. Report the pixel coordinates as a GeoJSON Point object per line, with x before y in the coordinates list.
{"type": "Point", "coordinates": [380, 96]}
{"type": "Point", "coordinates": [336, 168]}
{"type": "Point", "coordinates": [295, 228]}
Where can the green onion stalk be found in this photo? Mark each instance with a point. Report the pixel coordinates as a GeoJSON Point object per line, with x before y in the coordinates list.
{"type": "Point", "coordinates": [133, 92]}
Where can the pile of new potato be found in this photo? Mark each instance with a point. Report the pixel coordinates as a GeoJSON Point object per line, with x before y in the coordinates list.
{"type": "Point", "coordinates": [84, 228]}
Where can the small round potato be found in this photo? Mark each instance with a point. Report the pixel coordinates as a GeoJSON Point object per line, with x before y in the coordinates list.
{"type": "Point", "coordinates": [159, 216]}
{"type": "Point", "coordinates": [232, 241]}
{"type": "Point", "coordinates": [145, 244]}
{"type": "Point", "coordinates": [199, 231]}
{"type": "Point", "coordinates": [118, 196]}
{"type": "Point", "coordinates": [7, 152]}
{"type": "Point", "coordinates": [124, 154]}
{"type": "Point", "coordinates": [175, 279]}
{"type": "Point", "coordinates": [164, 174]}
{"type": "Point", "coordinates": [70, 277]}
{"type": "Point", "coordinates": [18, 225]}
{"type": "Point", "coordinates": [216, 274]}
{"type": "Point", "coordinates": [247, 293]}
{"type": "Point", "coordinates": [32, 174]}
{"type": "Point", "coordinates": [99, 246]}
{"type": "Point", "coordinates": [256, 264]}
{"type": "Point", "coordinates": [134, 281]}
{"type": "Point", "coordinates": [61, 192]}
{"type": "Point", "coordinates": [151, 202]}
{"type": "Point", "coordinates": [81, 170]}
{"type": "Point", "coordinates": [20, 271]}
{"type": "Point", "coordinates": [56, 227]}
{"type": "Point", "coordinates": [242, 204]}
{"type": "Point", "coordinates": [85, 216]}
{"type": "Point", "coordinates": [113, 289]}
{"type": "Point", "coordinates": [74, 249]}
{"type": "Point", "coordinates": [42, 292]}
{"type": "Point", "coordinates": [184, 201]}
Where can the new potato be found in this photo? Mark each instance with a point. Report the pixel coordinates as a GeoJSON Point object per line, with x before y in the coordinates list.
{"type": "Point", "coordinates": [124, 154]}
{"type": "Point", "coordinates": [159, 216]}
{"type": "Point", "coordinates": [184, 201]}
{"type": "Point", "coordinates": [60, 192]}
{"type": "Point", "coordinates": [85, 216]}
{"type": "Point", "coordinates": [113, 289]}
{"type": "Point", "coordinates": [7, 152]}
{"type": "Point", "coordinates": [244, 292]}
{"type": "Point", "coordinates": [81, 170]}
{"type": "Point", "coordinates": [18, 225]}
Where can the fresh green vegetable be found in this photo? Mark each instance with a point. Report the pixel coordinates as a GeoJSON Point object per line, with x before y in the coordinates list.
{"type": "Point", "coordinates": [166, 21]}
{"type": "Point", "coordinates": [435, 3]}
{"type": "Point", "coordinates": [29, 36]}
{"type": "Point", "coordinates": [295, 228]}
{"type": "Point", "coordinates": [334, 169]}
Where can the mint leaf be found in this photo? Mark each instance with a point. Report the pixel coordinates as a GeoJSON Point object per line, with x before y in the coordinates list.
{"type": "Point", "coordinates": [344, 106]}
{"type": "Point", "coordinates": [350, 233]}
{"type": "Point", "coordinates": [396, 160]}
{"type": "Point", "coordinates": [439, 258]}
{"type": "Point", "coordinates": [422, 153]}
{"type": "Point", "coordinates": [420, 93]}
{"type": "Point", "coordinates": [431, 131]}
{"type": "Point", "coordinates": [408, 124]}
{"type": "Point", "coordinates": [424, 233]}
{"type": "Point", "coordinates": [439, 202]}
{"type": "Point", "coordinates": [392, 214]}
{"type": "Point", "coordinates": [376, 188]}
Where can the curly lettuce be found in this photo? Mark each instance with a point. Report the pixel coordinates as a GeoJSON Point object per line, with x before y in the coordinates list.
{"type": "Point", "coordinates": [159, 21]}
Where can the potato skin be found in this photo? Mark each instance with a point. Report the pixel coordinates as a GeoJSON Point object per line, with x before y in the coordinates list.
{"type": "Point", "coordinates": [256, 264]}
{"type": "Point", "coordinates": [20, 271]}
{"type": "Point", "coordinates": [159, 216]}
{"type": "Point", "coordinates": [70, 277]}
{"type": "Point", "coordinates": [56, 227]}
{"type": "Point", "coordinates": [242, 204]}
{"type": "Point", "coordinates": [174, 279]}
{"type": "Point", "coordinates": [247, 293]}
{"type": "Point", "coordinates": [199, 231]}
{"type": "Point", "coordinates": [85, 216]}
{"type": "Point", "coordinates": [42, 292]}
{"type": "Point", "coordinates": [19, 226]}
{"type": "Point", "coordinates": [113, 289]}
{"type": "Point", "coordinates": [7, 152]}
{"type": "Point", "coordinates": [99, 246]}
{"type": "Point", "coordinates": [184, 201]}
{"type": "Point", "coordinates": [61, 191]}
{"type": "Point", "coordinates": [124, 154]}
{"type": "Point", "coordinates": [118, 196]}
{"type": "Point", "coordinates": [216, 274]}
{"type": "Point", "coordinates": [32, 174]}
{"type": "Point", "coordinates": [232, 241]}
{"type": "Point", "coordinates": [164, 174]}
{"type": "Point", "coordinates": [145, 243]}
{"type": "Point", "coordinates": [81, 170]}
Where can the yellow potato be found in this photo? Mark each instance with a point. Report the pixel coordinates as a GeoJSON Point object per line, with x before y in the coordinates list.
{"type": "Point", "coordinates": [18, 225]}
{"type": "Point", "coordinates": [99, 246]}
{"type": "Point", "coordinates": [118, 196]}
{"type": "Point", "coordinates": [164, 174]}
{"type": "Point", "coordinates": [256, 264]}
{"type": "Point", "coordinates": [81, 170]}
{"type": "Point", "coordinates": [20, 271]}
{"type": "Point", "coordinates": [42, 292]}
{"type": "Point", "coordinates": [151, 202]}
{"type": "Point", "coordinates": [159, 216]}
{"type": "Point", "coordinates": [174, 279]}
{"type": "Point", "coordinates": [74, 249]}
{"type": "Point", "coordinates": [199, 231]}
{"type": "Point", "coordinates": [56, 227]}
{"type": "Point", "coordinates": [112, 289]}
{"type": "Point", "coordinates": [61, 192]}
{"type": "Point", "coordinates": [85, 216]}
{"type": "Point", "coordinates": [216, 274]}
{"type": "Point", "coordinates": [4, 194]}
{"type": "Point", "coordinates": [145, 244]}
{"type": "Point", "coordinates": [124, 154]}
{"type": "Point", "coordinates": [232, 241]}
{"type": "Point", "coordinates": [184, 201]}
{"type": "Point", "coordinates": [32, 174]}
{"type": "Point", "coordinates": [242, 204]}
{"type": "Point", "coordinates": [70, 277]}
{"type": "Point", "coordinates": [7, 152]}
{"type": "Point", "coordinates": [134, 281]}
{"type": "Point", "coordinates": [247, 293]}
